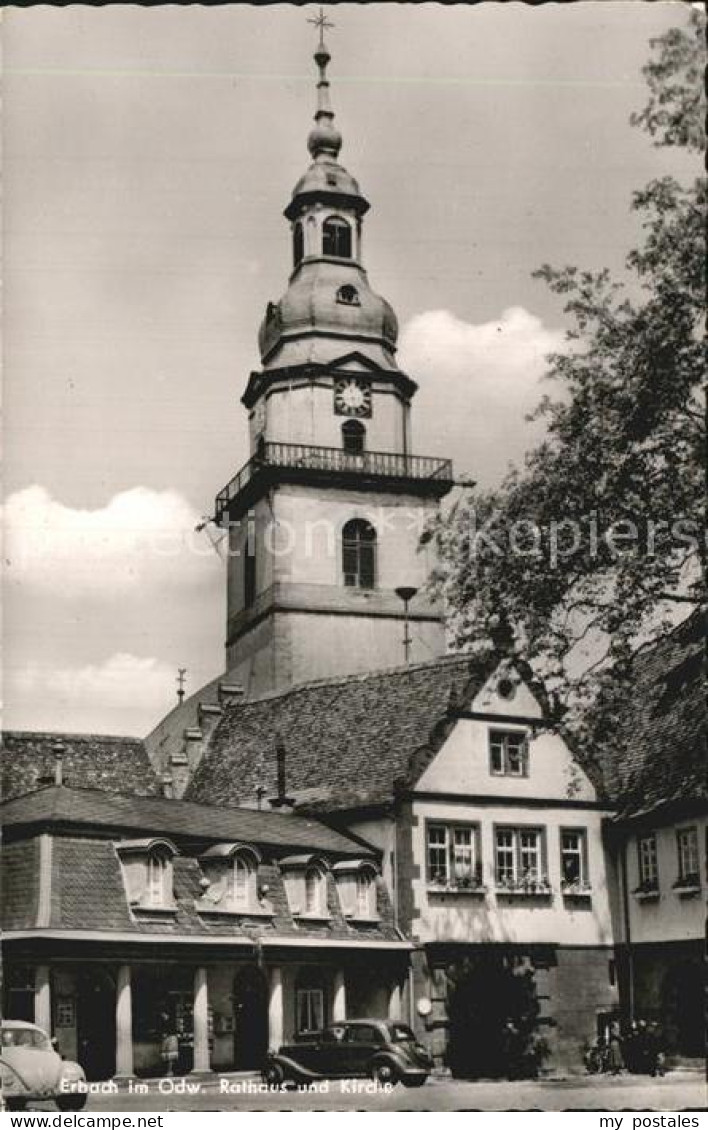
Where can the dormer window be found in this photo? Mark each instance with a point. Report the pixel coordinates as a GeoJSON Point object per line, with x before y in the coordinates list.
{"type": "Point", "coordinates": [158, 885]}
{"type": "Point", "coordinates": [337, 238]}
{"type": "Point", "coordinates": [305, 880]}
{"type": "Point", "coordinates": [353, 437]}
{"type": "Point", "coordinates": [356, 886]}
{"type": "Point", "coordinates": [148, 873]}
{"type": "Point", "coordinates": [230, 879]}
{"type": "Point", "coordinates": [348, 295]}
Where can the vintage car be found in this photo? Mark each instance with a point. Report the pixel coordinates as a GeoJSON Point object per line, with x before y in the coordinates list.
{"type": "Point", "coordinates": [383, 1050]}
{"type": "Point", "coordinates": [31, 1070]}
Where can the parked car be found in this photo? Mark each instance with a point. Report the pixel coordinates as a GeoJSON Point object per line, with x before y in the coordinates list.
{"type": "Point", "coordinates": [31, 1069]}
{"type": "Point", "coordinates": [383, 1050]}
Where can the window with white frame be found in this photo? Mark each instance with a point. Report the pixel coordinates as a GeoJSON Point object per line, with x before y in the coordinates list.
{"type": "Point", "coordinates": [453, 855]}
{"type": "Point", "coordinates": [520, 859]}
{"type": "Point", "coordinates": [508, 753]}
{"type": "Point", "coordinates": [315, 891]}
{"type": "Point", "coordinates": [365, 893]}
{"type": "Point", "coordinates": [575, 878]}
{"type": "Point", "coordinates": [158, 891]}
{"type": "Point", "coordinates": [648, 863]}
{"type": "Point", "coordinates": [310, 1010]}
{"type": "Point", "coordinates": [688, 865]}
{"type": "Point", "coordinates": [242, 882]}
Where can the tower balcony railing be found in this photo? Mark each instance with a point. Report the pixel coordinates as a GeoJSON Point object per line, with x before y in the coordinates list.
{"type": "Point", "coordinates": [335, 461]}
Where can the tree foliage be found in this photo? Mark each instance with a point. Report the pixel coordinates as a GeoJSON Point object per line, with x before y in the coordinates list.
{"type": "Point", "coordinates": [597, 544]}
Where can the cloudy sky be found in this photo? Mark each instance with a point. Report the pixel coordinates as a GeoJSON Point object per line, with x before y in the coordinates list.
{"type": "Point", "coordinates": [148, 155]}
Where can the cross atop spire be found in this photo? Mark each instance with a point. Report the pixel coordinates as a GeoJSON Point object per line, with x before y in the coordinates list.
{"type": "Point", "coordinates": [321, 22]}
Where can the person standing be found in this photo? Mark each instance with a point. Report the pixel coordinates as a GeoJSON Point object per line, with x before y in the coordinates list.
{"type": "Point", "coordinates": [170, 1044]}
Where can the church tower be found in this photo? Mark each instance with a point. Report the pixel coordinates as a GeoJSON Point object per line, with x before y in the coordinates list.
{"type": "Point", "coordinates": [324, 520]}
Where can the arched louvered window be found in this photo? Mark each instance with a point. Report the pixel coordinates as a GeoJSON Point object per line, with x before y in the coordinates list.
{"type": "Point", "coordinates": [315, 891]}
{"type": "Point", "coordinates": [353, 437]}
{"type": "Point", "coordinates": [298, 243]}
{"type": "Point", "coordinates": [359, 554]}
{"type": "Point", "coordinates": [243, 881]}
{"type": "Point", "coordinates": [337, 238]}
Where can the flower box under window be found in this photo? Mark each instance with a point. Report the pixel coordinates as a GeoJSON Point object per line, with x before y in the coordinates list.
{"type": "Point", "coordinates": [688, 884]}
{"type": "Point", "coordinates": [457, 885]}
{"type": "Point", "coordinates": [576, 888]}
{"type": "Point", "coordinates": [523, 886]}
{"type": "Point", "coordinates": [647, 891]}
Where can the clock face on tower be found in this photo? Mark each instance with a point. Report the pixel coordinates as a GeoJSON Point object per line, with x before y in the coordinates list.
{"type": "Point", "coordinates": [352, 397]}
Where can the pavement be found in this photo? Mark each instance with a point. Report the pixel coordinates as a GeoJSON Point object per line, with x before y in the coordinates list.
{"type": "Point", "coordinates": [677, 1091]}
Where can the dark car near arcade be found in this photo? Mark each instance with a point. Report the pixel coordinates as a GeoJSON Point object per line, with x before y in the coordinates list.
{"type": "Point", "coordinates": [383, 1050]}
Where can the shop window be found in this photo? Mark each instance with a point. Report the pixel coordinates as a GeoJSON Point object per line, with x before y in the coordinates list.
{"type": "Point", "coordinates": [453, 856]}
{"type": "Point", "coordinates": [310, 1007]}
{"type": "Point", "coordinates": [575, 878]}
{"type": "Point", "coordinates": [353, 437]}
{"type": "Point", "coordinates": [508, 753]}
{"type": "Point", "coordinates": [337, 238]}
{"type": "Point", "coordinates": [359, 554]}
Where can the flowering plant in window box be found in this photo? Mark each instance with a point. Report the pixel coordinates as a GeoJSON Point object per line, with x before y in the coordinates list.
{"type": "Point", "coordinates": [524, 885]}
{"type": "Point", "coordinates": [578, 888]}
{"type": "Point", "coordinates": [647, 889]}
{"type": "Point", "coordinates": [688, 884]}
{"type": "Point", "coordinates": [472, 884]}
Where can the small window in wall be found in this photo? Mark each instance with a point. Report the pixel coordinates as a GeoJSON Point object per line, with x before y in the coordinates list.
{"type": "Point", "coordinates": [359, 554]}
{"type": "Point", "coordinates": [337, 238]}
{"type": "Point", "coordinates": [298, 243]}
{"type": "Point", "coordinates": [310, 1010]}
{"type": "Point", "coordinates": [574, 861]}
{"type": "Point", "coordinates": [348, 295]}
{"type": "Point", "coordinates": [648, 863]}
{"type": "Point", "coordinates": [249, 568]}
{"type": "Point", "coordinates": [508, 753]}
{"type": "Point", "coordinates": [689, 873]}
{"type": "Point", "coordinates": [353, 437]}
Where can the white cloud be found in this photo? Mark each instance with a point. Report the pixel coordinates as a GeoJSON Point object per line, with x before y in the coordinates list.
{"type": "Point", "coordinates": [477, 383]}
{"type": "Point", "coordinates": [141, 540]}
{"type": "Point", "coordinates": [123, 694]}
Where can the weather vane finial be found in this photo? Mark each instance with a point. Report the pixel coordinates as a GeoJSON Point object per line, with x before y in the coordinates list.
{"type": "Point", "coordinates": [321, 22]}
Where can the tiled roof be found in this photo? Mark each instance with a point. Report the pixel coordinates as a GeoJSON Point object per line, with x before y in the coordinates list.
{"type": "Point", "coordinates": [663, 745]}
{"type": "Point", "coordinates": [88, 894]}
{"type": "Point", "coordinates": [347, 740]}
{"type": "Point", "coordinates": [20, 884]}
{"type": "Point", "coordinates": [177, 818]}
{"type": "Point", "coordinates": [90, 761]}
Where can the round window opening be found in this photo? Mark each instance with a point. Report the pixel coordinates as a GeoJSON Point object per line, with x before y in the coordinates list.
{"type": "Point", "coordinates": [348, 295]}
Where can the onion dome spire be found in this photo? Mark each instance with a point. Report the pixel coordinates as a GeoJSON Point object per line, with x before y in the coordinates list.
{"type": "Point", "coordinates": [325, 140]}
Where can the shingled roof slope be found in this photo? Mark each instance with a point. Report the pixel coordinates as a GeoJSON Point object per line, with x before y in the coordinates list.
{"type": "Point", "coordinates": [664, 741]}
{"type": "Point", "coordinates": [64, 807]}
{"type": "Point", "coordinates": [347, 740]}
{"type": "Point", "coordinates": [91, 761]}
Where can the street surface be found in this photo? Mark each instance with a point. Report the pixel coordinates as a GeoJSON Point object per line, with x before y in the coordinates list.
{"type": "Point", "coordinates": [677, 1091]}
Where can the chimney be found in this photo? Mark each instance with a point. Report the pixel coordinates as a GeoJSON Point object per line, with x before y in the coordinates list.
{"type": "Point", "coordinates": [59, 764]}
{"type": "Point", "coordinates": [282, 800]}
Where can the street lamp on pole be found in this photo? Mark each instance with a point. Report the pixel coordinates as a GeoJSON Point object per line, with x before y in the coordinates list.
{"type": "Point", "coordinates": [406, 594]}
